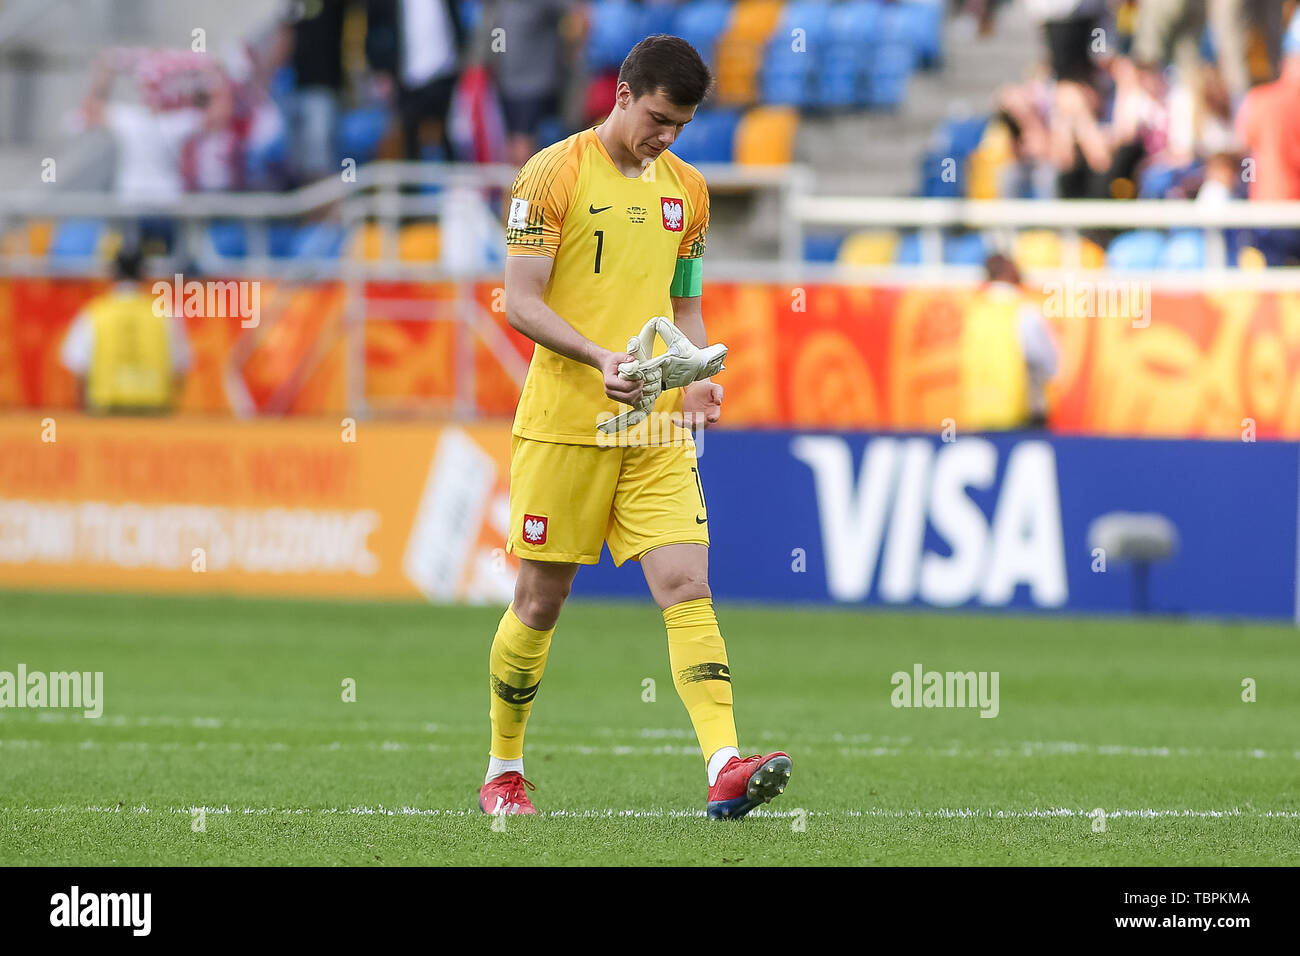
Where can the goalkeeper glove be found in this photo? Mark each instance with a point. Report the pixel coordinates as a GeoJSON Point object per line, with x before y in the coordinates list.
{"type": "Point", "coordinates": [679, 366]}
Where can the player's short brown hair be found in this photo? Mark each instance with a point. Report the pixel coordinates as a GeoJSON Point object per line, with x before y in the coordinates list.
{"type": "Point", "coordinates": [668, 63]}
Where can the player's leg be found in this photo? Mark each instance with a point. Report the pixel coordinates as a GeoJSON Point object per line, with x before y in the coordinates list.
{"type": "Point", "coordinates": [678, 577]}
{"type": "Point", "coordinates": [661, 519]}
{"type": "Point", "coordinates": [557, 522]}
{"type": "Point", "coordinates": [517, 661]}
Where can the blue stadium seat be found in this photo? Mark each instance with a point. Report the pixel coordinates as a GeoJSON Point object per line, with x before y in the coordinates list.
{"type": "Point", "coordinates": [965, 250]}
{"type": "Point", "coordinates": [320, 240]}
{"type": "Point", "coordinates": [1184, 250]}
{"type": "Point", "coordinates": [909, 249]}
{"type": "Point", "coordinates": [786, 77]}
{"type": "Point", "coordinates": [75, 238]}
{"type": "Point", "coordinates": [471, 13]}
{"type": "Point", "coordinates": [657, 16]}
{"type": "Point", "coordinates": [810, 16]}
{"type": "Point", "coordinates": [821, 248]}
{"type": "Point", "coordinates": [839, 81]}
{"type": "Point", "coordinates": [923, 26]}
{"type": "Point", "coordinates": [360, 131]}
{"type": "Point", "coordinates": [855, 23]}
{"type": "Point", "coordinates": [700, 25]}
{"type": "Point", "coordinates": [934, 184]}
{"type": "Point", "coordinates": [709, 138]}
{"type": "Point", "coordinates": [615, 27]}
{"type": "Point", "coordinates": [1139, 249]}
{"type": "Point", "coordinates": [281, 238]}
{"type": "Point", "coordinates": [229, 238]}
{"type": "Point", "coordinates": [888, 70]}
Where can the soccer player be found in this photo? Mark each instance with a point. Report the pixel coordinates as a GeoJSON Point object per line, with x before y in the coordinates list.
{"type": "Point", "coordinates": [606, 230]}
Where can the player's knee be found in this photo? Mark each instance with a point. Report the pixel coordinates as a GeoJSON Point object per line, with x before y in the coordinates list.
{"type": "Point", "coordinates": [538, 605]}
{"type": "Point", "coordinates": [684, 586]}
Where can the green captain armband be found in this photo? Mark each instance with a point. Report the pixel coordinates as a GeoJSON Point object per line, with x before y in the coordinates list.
{"type": "Point", "coordinates": [688, 278]}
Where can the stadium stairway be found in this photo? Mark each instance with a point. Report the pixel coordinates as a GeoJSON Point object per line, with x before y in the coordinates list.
{"type": "Point", "coordinates": [879, 153]}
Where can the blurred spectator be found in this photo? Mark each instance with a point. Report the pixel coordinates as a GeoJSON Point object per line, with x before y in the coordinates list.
{"type": "Point", "coordinates": [417, 43]}
{"type": "Point", "coordinates": [529, 71]}
{"type": "Point", "coordinates": [316, 41]}
{"type": "Point", "coordinates": [1268, 124]}
{"type": "Point", "coordinates": [1068, 26]}
{"type": "Point", "coordinates": [1170, 31]}
{"type": "Point", "coordinates": [181, 95]}
{"type": "Point", "coordinates": [1007, 354]}
{"type": "Point", "coordinates": [127, 357]}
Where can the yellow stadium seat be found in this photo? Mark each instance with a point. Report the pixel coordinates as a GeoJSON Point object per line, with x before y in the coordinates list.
{"type": "Point", "coordinates": [740, 50]}
{"type": "Point", "coordinates": [420, 242]}
{"type": "Point", "coordinates": [765, 136]}
{"type": "Point", "coordinates": [1091, 255]}
{"type": "Point", "coordinates": [871, 247]}
{"type": "Point", "coordinates": [366, 242]}
{"type": "Point", "coordinates": [1038, 249]}
{"type": "Point", "coordinates": [984, 166]}
{"type": "Point", "coordinates": [1251, 259]}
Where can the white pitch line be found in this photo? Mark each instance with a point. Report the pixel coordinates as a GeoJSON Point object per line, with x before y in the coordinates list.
{"type": "Point", "coordinates": [654, 813]}
{"type": "Point", "coordinates": [1029, 748]}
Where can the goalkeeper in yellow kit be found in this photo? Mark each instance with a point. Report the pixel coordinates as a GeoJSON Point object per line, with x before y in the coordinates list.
{"type": "Point", "coordinates": [605, 231]}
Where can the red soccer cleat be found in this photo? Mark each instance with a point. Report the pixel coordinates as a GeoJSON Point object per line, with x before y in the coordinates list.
{"type": "Point", "coordinates": [506, 795]}
{"type": "Point", "coordinates": [744, 784]}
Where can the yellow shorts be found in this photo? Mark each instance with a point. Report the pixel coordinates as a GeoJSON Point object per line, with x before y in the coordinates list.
{"type": "Point", "coordinates": [567, 499]}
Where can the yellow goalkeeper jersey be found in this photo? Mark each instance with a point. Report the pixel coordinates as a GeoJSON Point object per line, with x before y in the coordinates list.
{"type": "Point", "coordinates": [616, 242]}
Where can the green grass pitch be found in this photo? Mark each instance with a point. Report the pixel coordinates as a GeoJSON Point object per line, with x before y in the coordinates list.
{"type": "Point", "coordinates": [236, 706]}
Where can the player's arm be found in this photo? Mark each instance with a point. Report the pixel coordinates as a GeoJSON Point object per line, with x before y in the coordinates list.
{"type": "Point", "coordinates": [528, 313]}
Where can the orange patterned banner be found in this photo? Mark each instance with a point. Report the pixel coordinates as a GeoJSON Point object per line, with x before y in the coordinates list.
{"type": "Point", "coordinates": [828, 355]}
{"type": "Point", "coordinates": [273, 507]}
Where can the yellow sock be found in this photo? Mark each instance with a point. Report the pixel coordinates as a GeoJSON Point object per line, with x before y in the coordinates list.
{"type": "Point", "coordinates": [515, 667]}
{"type": "Point", "coordinates": [698, 658]}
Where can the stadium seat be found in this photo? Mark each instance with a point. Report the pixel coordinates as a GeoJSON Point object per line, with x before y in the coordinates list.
{"type": "Point", "coordinates": [1185, 249]}
{"type": "Point", "coordinates": [319, 240]}
{"type": "Point", "coordinates": [700, 25]}
{"type": "Point", "coordinates": [765, 136]}
{"type": "Point", "coordinates": [613, 30]}
{"type": "Point", "coordinates": [420, 242]}
{"type": "Point", "coordinates": [740, 50]}
{"type": "Point", "coordinates": [229, 238]}
{"type": "Point", "coordinates": [77, 238]}
{"type": "Point", "coordinates": [1139, 249]}
{"type": "Point", "coordinates": [360, 132]}
{"type": "Point", "coordinates": [366, 242]}
{"type": "Point", "coordinates": [909, 249]}
{"type": "Point", "coordinates": [280, 239]}
{"type": "Point", "coordinates": [1038, 249]}
{"type": "Point", "coordinates": [32, 239]}
{"type": "Point", "coordinates": [820, 247]}
{"type": "Point", "coordinates": [709, 138]}
{"type": "Point", "coordinates": [840, 80]}
{"type": "Point", "coordinates": [870, 247]}
{"type": "Point", "coordinates": [923, 27]}
{"type": "Point", "coordinates": [887, 74]}
{"type": "Point", "coordinates": [969, 249]}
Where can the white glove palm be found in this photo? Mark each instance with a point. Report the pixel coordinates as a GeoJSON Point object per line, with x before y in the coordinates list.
{"type": "Point", "coordinates": [679, 366]}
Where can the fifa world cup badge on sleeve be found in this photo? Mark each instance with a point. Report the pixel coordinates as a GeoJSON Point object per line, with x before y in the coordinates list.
{"type": "Point", "coordinates": [518, 214]}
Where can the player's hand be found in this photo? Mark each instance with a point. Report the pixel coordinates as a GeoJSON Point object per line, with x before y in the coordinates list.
{"type": "Point", "coordinates": [627, 391]}
{"type": "Point", "coordinates": [702, 404]}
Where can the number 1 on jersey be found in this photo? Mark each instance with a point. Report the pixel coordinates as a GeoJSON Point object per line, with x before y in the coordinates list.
{"type": "Point", "coordinates": [600, 246]}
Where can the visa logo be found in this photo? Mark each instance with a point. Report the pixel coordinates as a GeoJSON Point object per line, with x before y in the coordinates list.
{"type": "Point", "coordinates": [906, 485]}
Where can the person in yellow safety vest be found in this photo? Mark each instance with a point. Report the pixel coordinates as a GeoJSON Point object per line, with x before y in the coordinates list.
{"type": "Point", "coordinates": [127, 357]}
{"type": "Point", "coordinates": [1007, 355]}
